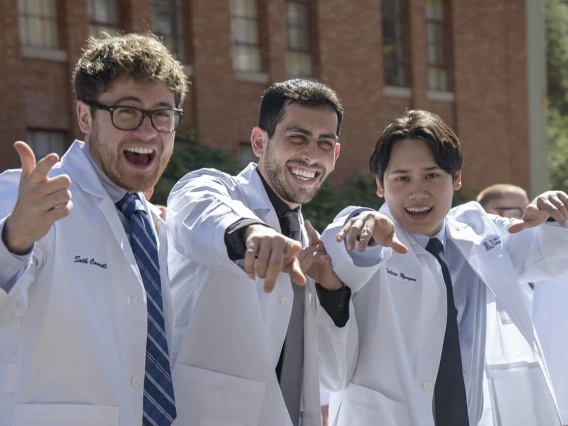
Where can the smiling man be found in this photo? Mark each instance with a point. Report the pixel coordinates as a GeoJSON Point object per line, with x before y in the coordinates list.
{"type": "Point", "coordinates": [245, 330]}
{"type": "Point", "coordinates": [444, 334]}
{"type": "Point", "coordinates": [83, 277]}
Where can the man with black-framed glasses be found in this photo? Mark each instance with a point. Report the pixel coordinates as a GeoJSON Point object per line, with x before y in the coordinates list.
{"type": "Point", "coordinates": [83, 272]}
{"type": "Point", "coordinates": [504, 200]}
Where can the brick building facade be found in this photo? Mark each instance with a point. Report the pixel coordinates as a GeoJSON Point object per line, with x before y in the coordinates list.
{"type": "Point", "coordinates": [463, 60]}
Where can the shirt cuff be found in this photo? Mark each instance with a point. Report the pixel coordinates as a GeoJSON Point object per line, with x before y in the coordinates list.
{"type": "Point", "coordinates": [335, 303]}
{"type": "Point", "coordinates": [234, 239]}
{"type": "Point", "coordinates": [10, 264]}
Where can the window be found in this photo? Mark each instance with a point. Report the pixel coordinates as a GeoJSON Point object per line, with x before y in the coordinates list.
{"type": "Point", "coordinates": [45, 142]}
{"type": "Point", "coordinates": [38, 23]}
{"type": "Point", "coordinates": [299, 57]}
{"type": "Point", "coordinates": [396, 45]}
{"type": "Point", "coordinates": [246, 44]}
{"type": "Point", "coordinates": [438, 44]}
{"type": "Point", "coordinates": [167, 22]}
{"type": "Point", "coordinates": [104, 15]}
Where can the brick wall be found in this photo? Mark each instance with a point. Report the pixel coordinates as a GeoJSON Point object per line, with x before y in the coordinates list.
{"type": "Point", "coordinates": [488, 110]}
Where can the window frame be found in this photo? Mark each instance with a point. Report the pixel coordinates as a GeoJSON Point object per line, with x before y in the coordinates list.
{"type": "Point", "coordinates": [403, 41]}
{"type": "Point", "coordinates": [23, 22]}
{"type": "Point", "coordinates": [310, 24]}
{"type": "Point", "coordinates": [109, 27]}
{"type": "Point", "coordinates": [259, 43]}
{"type": "Point", "coordinates": [445, 24]}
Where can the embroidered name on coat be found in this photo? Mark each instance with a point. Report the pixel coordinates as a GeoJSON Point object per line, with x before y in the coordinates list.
{"type": "Point", "coordinates": [400, 275]}
{"type": "Point", "coordinates": [91, 261]}
{"type": "Point", "coordinates": [491, 243]}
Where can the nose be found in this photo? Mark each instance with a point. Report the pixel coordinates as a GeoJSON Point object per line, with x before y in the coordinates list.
{"type": "Point", "coordinates": [311, 151]}
{"type": "Point", "coordinates": [146, 131]}
{"type": "Point", "coordinates": [418, 190]}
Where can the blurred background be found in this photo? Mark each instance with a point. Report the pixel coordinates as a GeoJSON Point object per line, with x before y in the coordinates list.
{"type": "Point", "coordinates": [495, 70]}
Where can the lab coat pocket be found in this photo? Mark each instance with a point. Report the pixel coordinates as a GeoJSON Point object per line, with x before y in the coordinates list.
{"type": "Point", "coordinates": [364, 406]}
{"type": "Point", "coordinates": [65, 415]}
{"type": "Point", "coordinates": [209, 398]}
{"type": "Point", "coordinates": [520, 395]}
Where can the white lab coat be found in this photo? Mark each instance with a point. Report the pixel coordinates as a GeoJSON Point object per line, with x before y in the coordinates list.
{"type": "Point", "coordinates": [228, 333]}
{"type": "Point", "coordinates": [550, 316]}
{"type": "Point", "coordinates": [74, 350]}
{"type": "Point", "coordinates": [401, 328]}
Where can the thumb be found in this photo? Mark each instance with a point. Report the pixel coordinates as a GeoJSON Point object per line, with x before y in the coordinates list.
{"type": "Point", "coordinates": [313, 237]}
{"type": "Point", "coordinates": [27, 158]}
{"type": "Point", "coordinates": [517, 227]}
{"type": "Point", "coordinates": [293, 247]}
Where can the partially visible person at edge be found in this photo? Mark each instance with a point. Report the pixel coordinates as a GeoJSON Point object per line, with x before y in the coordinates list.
{"type": "Point", "coordinates": [245, 341]}
{"type": "Point", "coordinates": [548, 301]}
{"type": "Point", "coordinates": [445, 336]}
{"type": "Point", "coordinates": [83, 256]}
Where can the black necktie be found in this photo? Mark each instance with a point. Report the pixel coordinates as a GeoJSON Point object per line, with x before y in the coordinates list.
{"type": "Point", "coordinates": [450, 402]}
{"type": "Point", "coordinates": [292, 356]}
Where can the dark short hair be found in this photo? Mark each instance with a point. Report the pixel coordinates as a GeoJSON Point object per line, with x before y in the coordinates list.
{"type": "Point", "coordinates": [141, 57]}
{"type": "Point", "coordinates": [423, 125]}
{"type": "Point", "coordinates": [306, 93]}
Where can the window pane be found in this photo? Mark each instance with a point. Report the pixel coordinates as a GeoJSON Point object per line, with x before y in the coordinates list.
{"type": "Point", "coordinates": [391, 29]}
{"type": "Point", "coordinates": [394, 75]}
{"type": "Point", "coordinates": [46, 142]}
{"type": "Point", "coordinates": [245, 31]}
{"type": "Point", "coordinates": [298, 38]}
{"type": "Point", "coordinates": [435, 9]}
{"type": "Point", "coordinates": [246, 58]}
{"type": "Point", "coordinates": [297, 14]}
{"type": "Point", "coordinates": [390, 6]}
{"type": "Point", "coordinates": [299, 64]}
{"type": "Point", "coordinates": [244, 8]}
{"type": "Point", "coordinates": [38, 23]}
{"type": "Point", "coordinates": [437, 79]}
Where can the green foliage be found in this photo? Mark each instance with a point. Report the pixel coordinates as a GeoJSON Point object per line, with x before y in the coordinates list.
{"type": "Point", "coordinates": [189, 155]}
{"type": "Point", "coordinates": [329, 201]}
{"type": "Point", "coordinates": [557, 70]}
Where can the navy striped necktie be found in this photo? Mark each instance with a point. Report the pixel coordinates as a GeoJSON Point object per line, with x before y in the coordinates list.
{"type": "Point", "coordinates": [158, 404]}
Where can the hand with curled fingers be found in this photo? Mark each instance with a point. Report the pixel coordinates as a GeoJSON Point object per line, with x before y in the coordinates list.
{"type": "Point", "coordinates": [359, 230]}
{"type": "Point", "coordinates": [274, 253]}
{"type": "Point", "coordinates": [41, 201]}
{"type": "Point", "coordinates": [316, 263]}
{"type": "Point", "coordinates": [552, 204]}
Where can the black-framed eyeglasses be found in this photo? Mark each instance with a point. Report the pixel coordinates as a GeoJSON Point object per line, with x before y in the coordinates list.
{"type": "Point", "coordinates": [520, 210]}
{"type": "Point", "coordinates": [164, 120]}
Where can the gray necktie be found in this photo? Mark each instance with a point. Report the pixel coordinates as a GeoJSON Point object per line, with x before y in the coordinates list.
{"type": "Point", "coordinates": [293, 350]}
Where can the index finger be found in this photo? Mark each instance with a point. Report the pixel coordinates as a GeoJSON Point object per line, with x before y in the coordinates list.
{"type": "Point", "coordinates": [313, 237]}
{"type": "Point", "coordinates": [41, 171]}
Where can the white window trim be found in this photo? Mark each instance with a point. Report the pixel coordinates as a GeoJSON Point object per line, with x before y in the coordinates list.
{"type": "Point", "coordinates": [398, 92]}
{"type": "Point", "coordinates": [252, 77]}
{"type": "Point", "coordinates": [436, 95]}
{"type": "Point", "coordinates": [56, 55]}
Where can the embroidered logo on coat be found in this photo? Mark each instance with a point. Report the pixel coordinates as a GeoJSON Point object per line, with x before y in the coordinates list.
{"type": "Point", "coordinates": [91, 261]}
{"type": "Point", "coordinates": [400, 275]}
{"type": "Point", "coordinates": [491, 243]}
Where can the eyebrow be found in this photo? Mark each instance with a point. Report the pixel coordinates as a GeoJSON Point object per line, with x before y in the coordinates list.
{"type": "Point", "coordinates": [308, 133]}
{"type": "Point", "coordinates": [138, 100]}
{"type": "Point", "coordinates": [425, 169]}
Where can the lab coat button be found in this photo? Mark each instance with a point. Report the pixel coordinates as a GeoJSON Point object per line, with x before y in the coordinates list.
{"type": "Point", "coordinates": [137, 382]}
{"type": "Point", "coordinates": [137, 299]}
{"type": "Point", "coordinates": [285, 300]}
{"type": "Point", "coordinates": [464, 369]}
{"type": "Point", "coordinates": [441, 318]}
{"type": "Point", "coordinates": [427, 385]}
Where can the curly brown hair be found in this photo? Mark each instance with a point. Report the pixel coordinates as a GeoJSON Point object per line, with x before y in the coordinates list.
{"type": "Point", "coordinates": [142, 57]}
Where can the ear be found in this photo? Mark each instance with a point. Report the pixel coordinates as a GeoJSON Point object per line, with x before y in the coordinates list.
{"type": "Point", "coordinates": [457, 180]}
{"type": "Point", "coordinates": [258, 140]}
{"type": "Point", "coordinates": [380, 188]}
{"type": "Point", "coordinates": [84, 117]}
{"type": "Point", "coordinates": [336, 151]}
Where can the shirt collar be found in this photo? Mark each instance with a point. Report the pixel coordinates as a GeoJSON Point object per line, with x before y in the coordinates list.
{"type": "Point", "coordinates": [423, 239]}
{"type": "Point", "coordinates": [114, 191]}
{"type": "Point", "coordinates": [280, 206]}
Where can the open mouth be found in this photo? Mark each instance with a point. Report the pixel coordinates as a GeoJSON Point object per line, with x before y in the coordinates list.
{"type": "Point", "coordinates": [303, 174]}
{"type": "Point", "coordinates": [418, 212]}
{"type": "Point", "coordinates": [140, 156]}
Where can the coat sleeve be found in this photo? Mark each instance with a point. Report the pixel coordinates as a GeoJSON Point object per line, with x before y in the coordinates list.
{"type": "Point", "coordinates": [17, 273]}
{"type": "Point", "coordinates": [339, 346]}
{"type": "Point", "coordinates": [537, 253]}
{"type": "Point", "coordinates": [201, 207]}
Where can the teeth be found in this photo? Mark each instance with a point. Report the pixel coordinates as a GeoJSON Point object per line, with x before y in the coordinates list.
{"type": "Point", "coordinates": [140, 150]}
{"type": "Point", "coordinates": [304, 174]}
{"type": "Point", "coordinates": [418, 209]}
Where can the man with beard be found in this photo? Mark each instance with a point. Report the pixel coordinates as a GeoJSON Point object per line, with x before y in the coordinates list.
{"type": "Point", "coordinates": [85, 281]}
{"type": "Point", "coordinates": [244, 347]}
